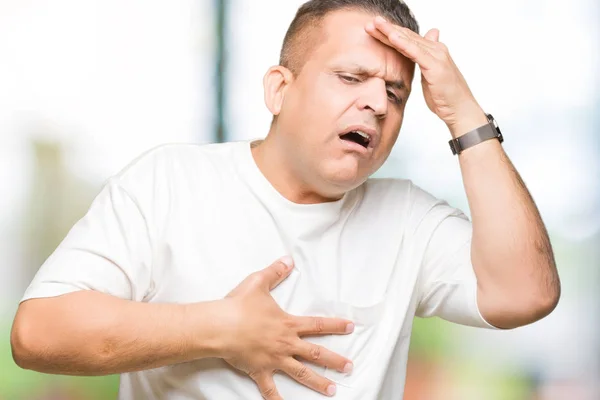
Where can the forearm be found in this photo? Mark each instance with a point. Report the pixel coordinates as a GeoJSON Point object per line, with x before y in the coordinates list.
{"type": "Point", "coordinates": [90, 333]}
{"type": "Point", "coordinates": [511, 252]}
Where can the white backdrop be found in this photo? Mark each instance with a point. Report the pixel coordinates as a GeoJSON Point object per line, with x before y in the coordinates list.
{"type": "Point", "coordinates": [107, 79]}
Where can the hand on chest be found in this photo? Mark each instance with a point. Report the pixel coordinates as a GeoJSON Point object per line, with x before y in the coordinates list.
{"type": "Point", "coordinates": [335, 275]}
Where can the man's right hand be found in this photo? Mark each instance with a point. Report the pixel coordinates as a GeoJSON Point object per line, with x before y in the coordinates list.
{"type": "Point", "coordinates": [262, 339]}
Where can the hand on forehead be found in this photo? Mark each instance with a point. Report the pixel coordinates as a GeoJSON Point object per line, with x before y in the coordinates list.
{"type": "Point", "coordinates": [343, 42]}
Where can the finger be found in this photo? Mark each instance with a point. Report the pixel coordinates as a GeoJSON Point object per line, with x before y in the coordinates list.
{"type": "Point", "coordinates": [377, 34]}
{"type": "Point", "coordinates": [276, 273]}
{"type": "Point", "coordinates": [433, 35]}
{"type": "Point", "coordinates": [267, 279]}
{"type": "Point", "coordinates": [307, 377]}
{"type": "Point", "coordinates": [323, 326]}
{"type": "Point", "coordinates": [423, 41]}
{"type": "Point", "coordinates": [321, 356]}
{"type": "Point", "coordinates": [388, 29]}
{"type": "Point", "coordinates": [413, 51]}
{"type": "Point", "coordinates": [412, 48]}
{"type": "Point", "coordinates": [267, 388]}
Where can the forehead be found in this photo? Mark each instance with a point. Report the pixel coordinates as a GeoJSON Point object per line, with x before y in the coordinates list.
{"type": "Point", "coordinates": [344, 41]}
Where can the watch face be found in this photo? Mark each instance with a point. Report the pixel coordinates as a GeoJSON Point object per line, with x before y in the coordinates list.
{"type": "Point", "coordinates": [495, 124]}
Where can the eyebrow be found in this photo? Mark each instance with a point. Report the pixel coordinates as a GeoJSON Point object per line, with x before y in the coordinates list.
{"type": "Point", "coordinates": [363, 71]}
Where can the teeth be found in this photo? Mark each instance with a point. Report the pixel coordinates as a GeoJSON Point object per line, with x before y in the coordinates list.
{"type": "Point", "coordinates": [366, 136]}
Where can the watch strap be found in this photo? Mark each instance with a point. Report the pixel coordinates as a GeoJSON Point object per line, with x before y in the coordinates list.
{"type": "Point", "coordinates": [476, 136]}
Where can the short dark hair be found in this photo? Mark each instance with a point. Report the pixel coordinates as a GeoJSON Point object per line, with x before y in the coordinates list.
{"type": "Point", "coordinates": [312, 13]}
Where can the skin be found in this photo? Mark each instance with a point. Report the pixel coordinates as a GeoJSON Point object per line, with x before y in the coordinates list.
{"type": "Point", "coordinates": [306, 161]}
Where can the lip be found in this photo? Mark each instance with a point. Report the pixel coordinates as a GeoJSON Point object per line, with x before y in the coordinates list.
{"type": "Point", "coordinates": [355, 147]}
{"type": "Point", "coordinates": [373, 134]}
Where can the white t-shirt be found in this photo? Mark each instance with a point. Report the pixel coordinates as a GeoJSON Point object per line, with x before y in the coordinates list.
{"type": "Point", "coordinates": [187, 223]}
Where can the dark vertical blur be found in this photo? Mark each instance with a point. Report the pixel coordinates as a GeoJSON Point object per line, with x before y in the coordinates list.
{"type": "Point", "coordinates": [221, 29]}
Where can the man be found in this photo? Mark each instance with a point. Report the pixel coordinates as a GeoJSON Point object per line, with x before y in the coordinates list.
{"type": "Point", "coordinates": [163, 281]}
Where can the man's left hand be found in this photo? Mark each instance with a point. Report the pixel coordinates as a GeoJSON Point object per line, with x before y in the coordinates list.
{"type": "Point", "coordinates": [445, 90]}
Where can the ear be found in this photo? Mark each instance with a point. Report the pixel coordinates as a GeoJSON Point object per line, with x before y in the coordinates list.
{"type": "Point", "coordinates": [275, 83]}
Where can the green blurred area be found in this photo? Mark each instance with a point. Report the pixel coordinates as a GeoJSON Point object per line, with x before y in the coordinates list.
{"type": "Point", "coordinates": [56, 201]}
{"type": "Point", "coordinates": [19, 384]}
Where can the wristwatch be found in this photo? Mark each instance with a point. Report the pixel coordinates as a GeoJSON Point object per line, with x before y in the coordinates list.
{"type": "Point", "coordinates": [476, 136]}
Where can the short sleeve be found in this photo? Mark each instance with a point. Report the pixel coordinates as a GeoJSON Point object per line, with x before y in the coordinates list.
{"type": "Point", "coordinates": [109, 250]}
{"type": "Point", "coordinates": [448, 285]}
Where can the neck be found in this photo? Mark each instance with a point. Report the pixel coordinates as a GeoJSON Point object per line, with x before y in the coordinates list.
{"type": "Point", "coordinates": [271, 158]}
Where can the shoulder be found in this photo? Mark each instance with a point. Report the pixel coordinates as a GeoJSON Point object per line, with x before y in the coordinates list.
{"type": "Point", "coordinates": [173, 163]}
{"type": "Point", "coordinates": [416, 204]}
{"type": "Point", "coordinates": [176, 155]}
{"type": "Point", "coordinates": [163, 176]}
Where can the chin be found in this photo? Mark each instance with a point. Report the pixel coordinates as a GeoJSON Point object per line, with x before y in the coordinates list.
{"type": "Point", "coordinates": [345, 173]}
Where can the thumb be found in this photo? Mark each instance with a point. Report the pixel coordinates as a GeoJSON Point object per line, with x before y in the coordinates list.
{"type": "Point", "coordinates": [265, 279]}
{"type": "Point", "coordinates": [433, 35]}
{"type": "Point", "coordinates": [277, 272]}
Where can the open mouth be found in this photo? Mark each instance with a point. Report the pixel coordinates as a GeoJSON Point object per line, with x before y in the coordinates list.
{"type": "Point", "coordinates": [358, 137]}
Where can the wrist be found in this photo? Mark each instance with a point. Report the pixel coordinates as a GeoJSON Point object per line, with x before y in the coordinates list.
{"type": "Point", "coordinates": [211, 328]}
{"type": "Point", "coordinates": [467, 121]}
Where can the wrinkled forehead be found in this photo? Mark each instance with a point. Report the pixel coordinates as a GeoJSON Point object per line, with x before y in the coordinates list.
{"type": "Point", "coordinates": [343, 40]}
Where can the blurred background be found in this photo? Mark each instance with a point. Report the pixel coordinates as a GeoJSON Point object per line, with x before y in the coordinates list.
{"type": "Point", "coordinates": [88, 85]}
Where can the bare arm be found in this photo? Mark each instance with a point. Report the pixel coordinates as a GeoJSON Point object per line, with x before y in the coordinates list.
{"type": "Point", "coordinates": [90, 333]}
{"type": "Point", "coordinates": [511, 253]}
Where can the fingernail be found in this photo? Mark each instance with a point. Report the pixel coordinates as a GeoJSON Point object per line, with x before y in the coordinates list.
{"type": "Point", "coordinates": [370, 26]}
{"type": "Point", "coordinates": [331, 390]}
{"type": "Point", "coordinates": [287, 260]}
{"type": "Point", "coordinates": [380, 19]}
{"type": "Point", "coordinates": [348, 368]}
{"type": "Point", "coordinates": [349, 328]}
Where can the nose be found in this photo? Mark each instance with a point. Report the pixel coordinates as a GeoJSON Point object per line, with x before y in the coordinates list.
{"type": "Point", "coordinates": [374, 97]}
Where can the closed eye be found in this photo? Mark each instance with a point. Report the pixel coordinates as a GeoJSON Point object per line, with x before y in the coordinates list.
{"type": "Point", "coordinates": [349, 79]}
{"type": "Point", "coordinates": [352, 79]}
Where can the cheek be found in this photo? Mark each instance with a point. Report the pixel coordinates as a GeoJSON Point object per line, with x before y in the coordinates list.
{"type": "Point", "coordinates": [390, 133]}
{"type": "Point", "coordinates": [329, 96]}
{"type": "Point", "coordinates": [392, 125]}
